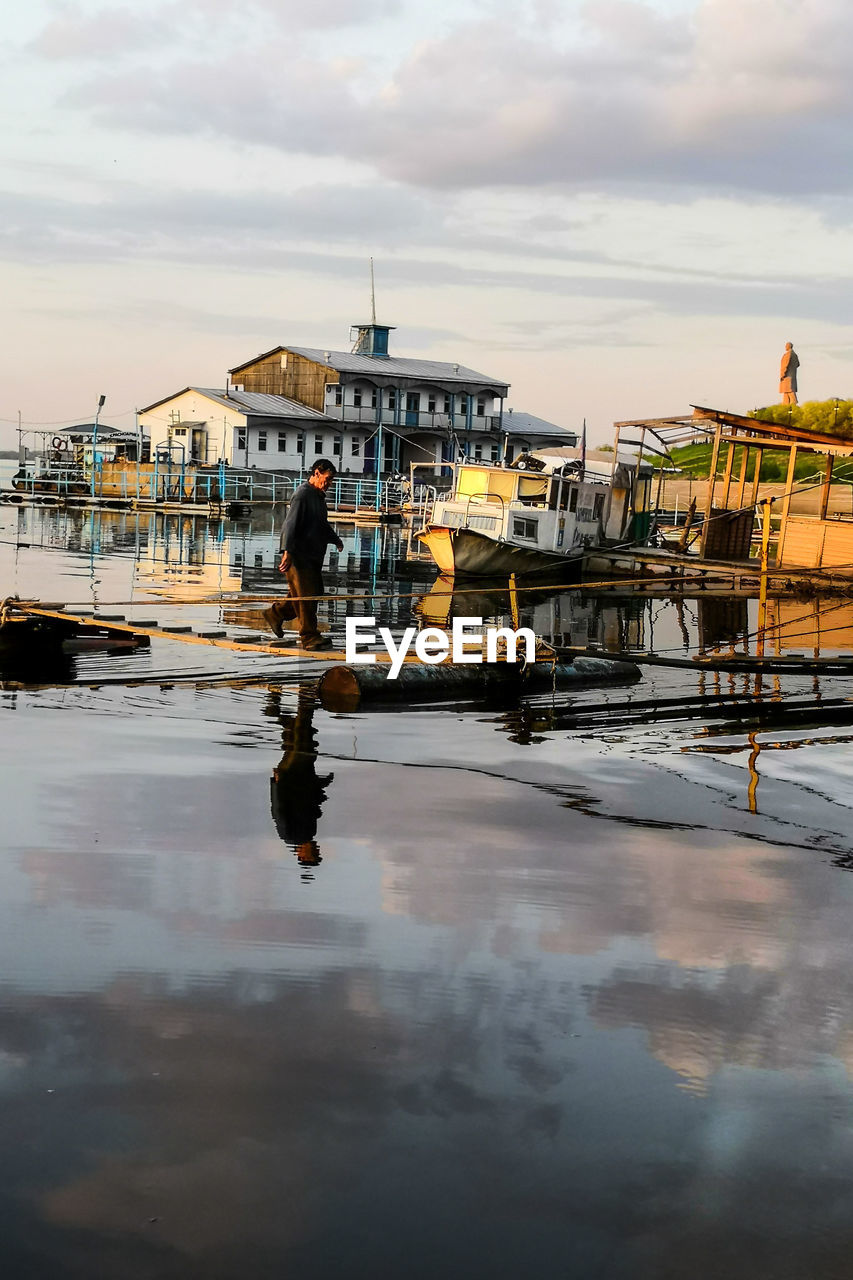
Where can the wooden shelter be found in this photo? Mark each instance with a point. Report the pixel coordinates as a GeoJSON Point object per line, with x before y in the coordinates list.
{"type": "Point", "coordinates": [739, 442]}
{"type": "Point", "coordinates": [804, 542]}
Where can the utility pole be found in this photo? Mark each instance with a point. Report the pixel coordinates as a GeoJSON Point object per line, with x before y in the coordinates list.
{"type": "Point", "coordinates": [95, 441]}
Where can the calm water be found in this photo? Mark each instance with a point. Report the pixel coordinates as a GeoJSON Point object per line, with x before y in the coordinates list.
{"type": "Point", "coordinates": [564, 985]}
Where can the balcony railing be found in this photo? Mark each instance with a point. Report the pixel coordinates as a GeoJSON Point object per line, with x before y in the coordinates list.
{"type": "Point", "coordinates": [414, 419]}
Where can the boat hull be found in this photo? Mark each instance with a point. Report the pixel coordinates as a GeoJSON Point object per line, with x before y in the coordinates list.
{"type": "Point", "coordinates": [464, 552]}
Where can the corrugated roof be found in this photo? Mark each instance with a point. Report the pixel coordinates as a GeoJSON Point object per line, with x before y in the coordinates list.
{"type": "Point", "coordinates": [255, 404]}
{"type": "Point", "coordinates": [387, 366]}
{"type": "Point", "coordinates": [260, 405]}
{"type": "Point", "coordinates": [528, 424]}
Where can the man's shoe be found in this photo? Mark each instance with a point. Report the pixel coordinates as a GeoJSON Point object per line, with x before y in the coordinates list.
{"type": "Point", "coordinates": [272, 621]}
{"type": "Point", "coordinates": [322, 643]}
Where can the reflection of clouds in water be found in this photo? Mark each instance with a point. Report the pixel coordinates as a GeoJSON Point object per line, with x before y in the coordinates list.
{"type": "Point", "coordinates": [470, 1031]}
{"type": "Point", "coordinates": [222, 1102]}
{"type": "Point", "coordinates": [236, 1127]}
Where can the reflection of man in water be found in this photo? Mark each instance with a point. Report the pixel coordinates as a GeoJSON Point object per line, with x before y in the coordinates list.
{"type": "Point", "coordinates": [788, 375]}
{"type": "Point", "coordinates": [296, 792]}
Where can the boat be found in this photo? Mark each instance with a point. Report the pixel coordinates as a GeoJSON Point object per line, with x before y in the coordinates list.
{"type": "Point", "coordinates": [534, 515]}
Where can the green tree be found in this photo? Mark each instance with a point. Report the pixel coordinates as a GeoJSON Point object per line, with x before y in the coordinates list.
{"type": "Point", "coordinates": [827, 417]}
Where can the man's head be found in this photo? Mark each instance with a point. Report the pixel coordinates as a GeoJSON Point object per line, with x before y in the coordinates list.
{"type": "Point", "coordinates": [322, 474]}
{"type": "Point", "coordinates": [789, 346]}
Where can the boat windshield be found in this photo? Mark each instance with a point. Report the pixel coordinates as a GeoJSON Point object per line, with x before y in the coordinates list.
{"type": "Point", "coordinates": [485, 483]}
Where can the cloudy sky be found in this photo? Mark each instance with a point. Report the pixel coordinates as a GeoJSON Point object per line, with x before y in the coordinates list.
{"type": "Point", "coordinates": [621, 207]}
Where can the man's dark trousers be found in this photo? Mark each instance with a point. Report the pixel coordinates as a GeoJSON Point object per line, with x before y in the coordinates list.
{"type": "Point", "coordinates": [304, 578]}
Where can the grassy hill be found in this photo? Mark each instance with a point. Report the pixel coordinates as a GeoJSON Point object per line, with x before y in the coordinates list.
{"type": "Point", "coordinates": [828, 417]}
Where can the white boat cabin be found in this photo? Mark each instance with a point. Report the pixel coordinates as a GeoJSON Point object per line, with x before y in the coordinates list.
{"type": "Point", "coordinates": [560, 511]}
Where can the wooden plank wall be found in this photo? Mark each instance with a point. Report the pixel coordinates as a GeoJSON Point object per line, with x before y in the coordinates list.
{"type": "Point", "coordinates": [301, 379]}
{"type": "Point", "coordinates": [812, 544]}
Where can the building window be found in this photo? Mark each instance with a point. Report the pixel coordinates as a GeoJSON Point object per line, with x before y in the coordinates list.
{"type": "Point", "coordinates": [300, 442]}
{"type": "Point", "coordinates": [598, 506]}
{"type": "Point", "coordinates": [462, 407]}
{"type": "Point", "coordinates": [374, 398]}
{"type": "Point", "coordinates": [356, 397]}
{"type": "Point", "coordinates": [478, 453]}
{"type": "Point", "coordinates": [481, 406]}
{"type": "Point", "coordinates": [495, 453]}
{"type": "Point", "coordinates": [282, 442]}
{"type": "Point", "coordinates": [241, 437]}
{"type": "Point", "coordinates": [179, 431]}
{"type": "Point", "coordinates": [318, 444]}
{"type": "Point", "coordinates": [431, 402]}
{"type": "Point", "coordinates": [339, 393]}
{"type": "Point", "coordinates": [573, 500]}
{"type": "Point", "coordinates": [446, 404]}
{"type": "Point", "coordinates": [336, 446]}
{"type": "Point", "coordinates": [355, 446]}
{"type": "Point", "coordinates": [392, 400]}
{"type": "Point", "coordinates": [262, 442]}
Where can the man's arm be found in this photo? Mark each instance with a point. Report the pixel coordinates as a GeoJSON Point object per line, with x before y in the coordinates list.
{"type": "Point", "coordinates": [332, 537]}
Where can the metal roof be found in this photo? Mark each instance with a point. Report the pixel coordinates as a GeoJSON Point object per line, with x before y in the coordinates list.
{"type": "Point", "coordinates": [86, 430]}
{"type": "Point", "coordinates": [388, 367]}
{"type": "Point", "coordinates": [255, 404]}
{"type": "Point", "coordinates": [525, 424]}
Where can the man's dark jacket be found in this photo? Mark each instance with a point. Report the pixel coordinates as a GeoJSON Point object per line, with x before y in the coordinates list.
{"type": "Point", "coordinates": [306, 532]}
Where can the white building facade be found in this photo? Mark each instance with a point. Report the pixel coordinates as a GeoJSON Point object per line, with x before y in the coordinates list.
{"type": "Point", "coordinates": [367, 411]}
{"type": "Point", "coordinates": [249, 431]}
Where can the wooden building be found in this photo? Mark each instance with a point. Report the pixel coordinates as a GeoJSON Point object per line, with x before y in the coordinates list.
{"type": "Point", "coordinates": [738, 443]}
{"type": "Point", "coordinates": [804, 541]}
{"type": "Point", "coordinates": [408, 411]}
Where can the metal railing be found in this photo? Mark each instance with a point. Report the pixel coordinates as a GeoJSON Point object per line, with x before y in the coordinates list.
{"type": "Point", "coordinates": [422, 503]}
{"type": "Point", "coordinates": [415, 419]}
{"type": "Point", "coordinates": [166, 481]}
{"type": "Point", "coordinates": [365, 494]}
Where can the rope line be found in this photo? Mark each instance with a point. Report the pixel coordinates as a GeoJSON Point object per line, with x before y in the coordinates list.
{"type": "Point", "coordinates": [243, 599]}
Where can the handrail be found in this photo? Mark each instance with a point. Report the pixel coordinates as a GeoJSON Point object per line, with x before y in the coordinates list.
{"type": "Point", "coordinates": [471, 496]}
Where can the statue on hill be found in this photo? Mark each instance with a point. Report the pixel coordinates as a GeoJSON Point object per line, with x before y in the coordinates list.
{"type": "Point", "coordinates": [788, 375]}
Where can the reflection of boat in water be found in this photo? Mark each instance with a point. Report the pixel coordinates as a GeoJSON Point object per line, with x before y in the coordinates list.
{"type": "Point", "coordinates": [559, 615]}
{"type": "Point", "coordinates": [535, 516]}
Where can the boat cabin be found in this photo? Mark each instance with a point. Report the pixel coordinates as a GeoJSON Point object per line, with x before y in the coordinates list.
{"type": "Point", "coordinates": [552, 510]}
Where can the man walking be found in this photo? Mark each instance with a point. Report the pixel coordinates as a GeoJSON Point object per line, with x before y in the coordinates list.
{"type": "Point", "coordinates": [304, 538]}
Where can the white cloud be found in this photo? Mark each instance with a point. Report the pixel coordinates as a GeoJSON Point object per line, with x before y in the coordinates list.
{"type": "Point", "coordinates": [738, 94]}
{"type": "Point", "coordinates": [77, 31]}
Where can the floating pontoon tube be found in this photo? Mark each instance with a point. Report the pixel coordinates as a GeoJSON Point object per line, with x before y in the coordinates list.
{"type": "Point", "coordinates": [343, 688]}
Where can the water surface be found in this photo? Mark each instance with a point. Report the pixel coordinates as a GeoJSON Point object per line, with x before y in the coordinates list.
{"type": "Point", "coordinates": [465, 989]}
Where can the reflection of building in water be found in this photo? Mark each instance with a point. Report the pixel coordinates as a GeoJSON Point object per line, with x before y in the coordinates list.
{"type": "Point", "coordinates": [186, 556]}
{"type": "Point", "coordinates": [802, 626]}
{"type": "Point", "coordinates": [723, 622]}
{"type": "Point", "coordinates": [297, 792]}
{"type": "Point", "coordinates": [79, 530]}
{"type": "Point", "coordinates": [372, 568]}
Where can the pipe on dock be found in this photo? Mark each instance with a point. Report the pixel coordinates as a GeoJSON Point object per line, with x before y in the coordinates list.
{"type": "Point", "coordinates": [344, 688]}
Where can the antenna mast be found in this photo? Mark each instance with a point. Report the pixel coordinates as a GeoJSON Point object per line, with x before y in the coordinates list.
{"type": "Point", "coordinates": [372, 295]}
